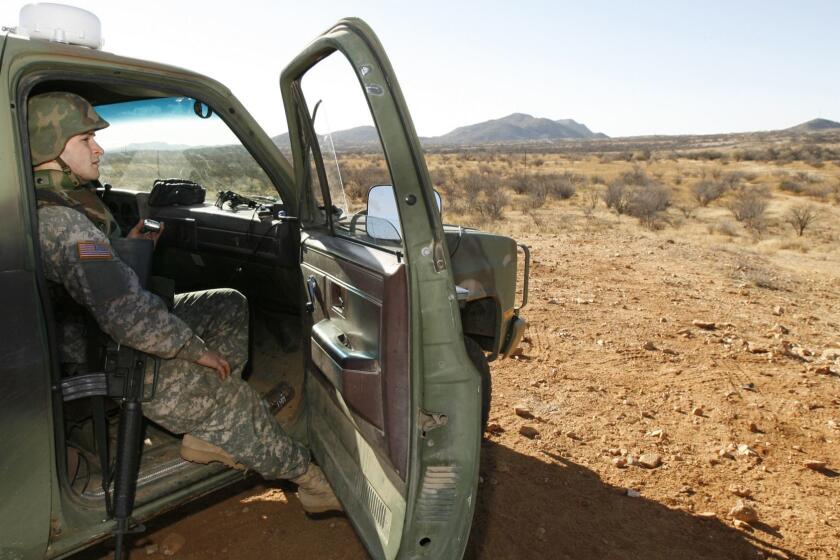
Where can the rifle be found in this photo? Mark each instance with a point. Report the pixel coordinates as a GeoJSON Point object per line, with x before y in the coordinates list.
{"type": "Point", "coordinates": [119, 372]}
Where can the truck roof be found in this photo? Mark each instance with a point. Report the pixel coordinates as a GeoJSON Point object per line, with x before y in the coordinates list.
{"type": "Point", "coordinates": [19, 50]}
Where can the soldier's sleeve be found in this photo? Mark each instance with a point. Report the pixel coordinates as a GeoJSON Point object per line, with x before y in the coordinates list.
{"type": "Point", "coordinates": [80, 257]}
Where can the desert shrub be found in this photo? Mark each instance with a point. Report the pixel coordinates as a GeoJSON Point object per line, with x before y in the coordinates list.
{"type": "Point", "coordinates": [821, 192]}
{"type": "Point", "coordinates": [537, 195]}
{"type": "Point", "coordinates": [757, 275]}
{"type": "Point", "coordinates": [357, 180]}
{"type": "Point", "coordinates": [806, 177]}
{"type": "Point", "coordinates": [493, 201]}
{"type": "Point", "coordinates": [646, 204]}
{"type": "Point", "coordinates": [473, 184]}
{"type": "Point", "coordinates": [590, 200]}
{"type": "Point", "coordinates": [575, 178]}
{"type": "Point", "coordinates": [617, 197]}
{"type": "Point", "coordinates": [749, 206]}
{"type": "Point", "coordinates": [705, 191]}
{"type": "Point", "coordinates": [441, 176]}
{"type": "Point", "coordinates": [797, 244]}
{"type": "Point", "coordinates": [562, 189]}
{"type": "Point", "coordinates": [733, 179]}
{"type": "Point", "coordinates": [457, 205]}
{"type": "Point", "coordinates": [724, 227]}
{"type": "Point", "coordinates": [555, 185]}
{"type": "Point", "coordinates": [354, 190]}
{"type": "Point", "coordinates": [687, 208]}
{"type": "Point", "coordinates": [519, 182]}
{"type": "Point", "coordinates": [643, 155]}
{"type": "Point", "coordinates": [541, 223]}
{"type": "Point", "coordinates": [709, 155]}
{"type": "Point", "coordinates": [636, 176]}
{"type": "Point", "coordinates": [791, 186]}
{"type": "Point", "coordinates": [743, 155]}
{"type": "Point", "coordinates": [800, 216]}
{"type": "Point", "coordinates": [597, 180]}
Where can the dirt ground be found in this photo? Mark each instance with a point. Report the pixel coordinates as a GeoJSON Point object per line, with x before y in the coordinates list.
{"type": "Point", "coordinates": [616, 369]}
{"type": "Point", "coordinates": [666, 376]}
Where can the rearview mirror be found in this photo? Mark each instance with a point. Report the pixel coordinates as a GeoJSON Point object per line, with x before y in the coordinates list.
{"type": "Point", "coordinates": [383, 218]}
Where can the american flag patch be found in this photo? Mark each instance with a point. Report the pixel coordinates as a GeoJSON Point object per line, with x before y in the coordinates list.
{"type": "Point", "coordinates": [91, 250]}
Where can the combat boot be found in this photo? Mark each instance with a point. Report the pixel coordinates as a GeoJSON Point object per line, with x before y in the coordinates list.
{"type": "Point", "coordinates": [199, 451]}
{"type": "Point", "coordinates": [315, 494]}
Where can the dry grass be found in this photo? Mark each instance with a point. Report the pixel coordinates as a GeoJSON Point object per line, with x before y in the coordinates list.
{"type": "Point", "coordinates": [740, 191]}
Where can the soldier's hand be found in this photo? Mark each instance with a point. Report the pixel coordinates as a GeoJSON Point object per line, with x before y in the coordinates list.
{"type": "Point", "coordinates": [137, 233]}
{"type": "Point", "coordinates": [214, 360]}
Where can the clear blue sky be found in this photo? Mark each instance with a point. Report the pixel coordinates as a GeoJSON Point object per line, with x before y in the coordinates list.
{"type": "Point", "coordinates": [623, 68]}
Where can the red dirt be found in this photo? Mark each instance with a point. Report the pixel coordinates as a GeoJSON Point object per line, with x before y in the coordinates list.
{"type": "Point", "coordinates": [599, 296]}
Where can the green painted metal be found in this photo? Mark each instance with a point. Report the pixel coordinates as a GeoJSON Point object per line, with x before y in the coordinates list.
{"type": "Point", "coordinates": [40, 517]}
{"type": "Point", "coordinates": [26, 440]}
{"type": "Point", "coordinates": [443, 380]}
{"type": "Point", "coordinates": [485, 264]}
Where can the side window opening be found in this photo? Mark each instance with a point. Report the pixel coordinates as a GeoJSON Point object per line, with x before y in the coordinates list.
{"type": "Point", "coordinates": [352, 154]}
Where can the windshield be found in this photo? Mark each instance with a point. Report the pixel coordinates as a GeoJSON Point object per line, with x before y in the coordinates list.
{"type": "Point", "coordinates": [175, 137]}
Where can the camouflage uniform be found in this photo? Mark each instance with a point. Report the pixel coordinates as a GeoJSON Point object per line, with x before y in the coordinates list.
{"type": "Point", "coordinates": [74, 229]}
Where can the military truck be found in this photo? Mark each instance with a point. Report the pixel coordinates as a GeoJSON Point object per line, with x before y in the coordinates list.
{"type": "Point", "coordinates": [379, 317]}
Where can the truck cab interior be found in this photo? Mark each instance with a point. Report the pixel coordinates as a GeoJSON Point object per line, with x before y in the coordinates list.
{"type": "Point", "coordinates": [328, 313]}
{"type": "Point", "coordinates": [356, 317]}
{"type": "Point", "coordinates": [240, 237]}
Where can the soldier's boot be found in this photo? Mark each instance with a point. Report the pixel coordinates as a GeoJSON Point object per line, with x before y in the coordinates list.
{"type": "Point", "coordinates": [315, 494]}
{"type": "Point", "coordinates": [197, 450]}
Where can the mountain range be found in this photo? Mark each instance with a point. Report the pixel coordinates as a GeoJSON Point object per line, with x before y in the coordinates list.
{"type": "Point", "coordinates": [815, 125]}
{"type": "Point", "coordinates": [517, 127]}
{"type": "Point", "coordinates": [512, 129]}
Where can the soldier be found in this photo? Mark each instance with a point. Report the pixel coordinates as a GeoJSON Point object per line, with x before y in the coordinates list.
{"type": "Point", "coordinates": [203, 341]}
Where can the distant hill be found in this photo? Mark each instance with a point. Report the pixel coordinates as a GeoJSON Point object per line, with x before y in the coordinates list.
{"type": "Point", "coordinates": [815, 125]}
{"type": "Point", "coordinates": [357, 137]}
{"type": "Point", "coordinates": [582, 128]}
{"type": "Point", "coordinates": [517, 127]}
{"type": "Point", "coordinates": [154, 146]}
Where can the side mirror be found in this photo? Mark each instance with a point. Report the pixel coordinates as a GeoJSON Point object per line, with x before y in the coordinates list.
{"type": "Point", "coordinates": [383, 218]}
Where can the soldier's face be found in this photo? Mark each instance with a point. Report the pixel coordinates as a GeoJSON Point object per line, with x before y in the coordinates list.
{"type": "Point", "coordinates": [82, 155]}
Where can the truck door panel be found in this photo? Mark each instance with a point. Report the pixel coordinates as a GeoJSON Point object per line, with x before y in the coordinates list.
{"type": "Point", "coordinates": [355, 344]}
{"type": "Point", "coordinates": [393, 400]}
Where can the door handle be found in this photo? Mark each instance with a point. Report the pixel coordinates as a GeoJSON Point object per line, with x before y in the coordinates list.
{"type": "Point", "coordinates": [314, 294]}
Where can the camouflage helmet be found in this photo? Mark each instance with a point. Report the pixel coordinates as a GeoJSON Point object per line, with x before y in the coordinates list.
{"type": "Point", "coordinates": [56, 117]}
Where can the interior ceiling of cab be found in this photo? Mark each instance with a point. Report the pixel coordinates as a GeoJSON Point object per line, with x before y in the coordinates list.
{"type": "Point", "coordinates": [97, 93]}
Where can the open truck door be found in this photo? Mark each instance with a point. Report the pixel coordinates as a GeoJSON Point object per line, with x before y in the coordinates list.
{"type": "Point", "coordinates": [394, 401]}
